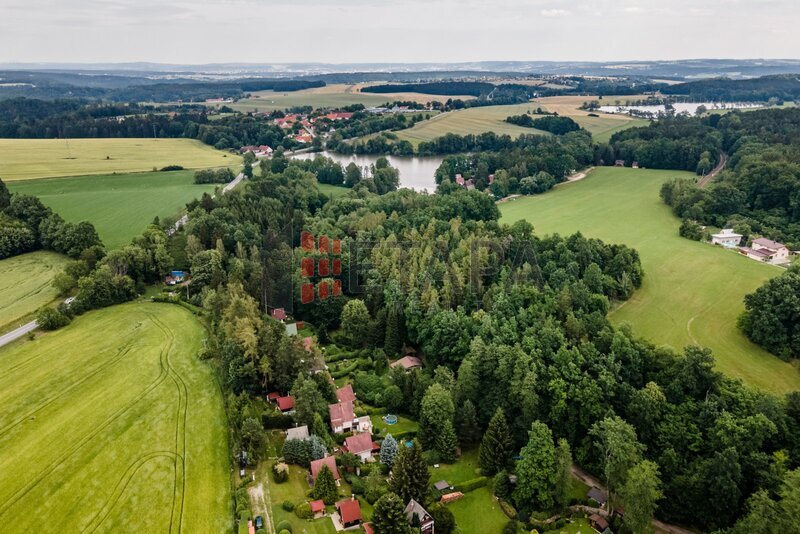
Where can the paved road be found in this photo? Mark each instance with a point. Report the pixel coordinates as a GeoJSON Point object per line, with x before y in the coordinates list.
{"type": "Point", "coordinates": [18, 333]}
{"type": "Point", "coordinates": [180, 223]}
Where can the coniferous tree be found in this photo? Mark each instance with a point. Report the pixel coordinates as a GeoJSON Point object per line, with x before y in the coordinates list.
{"type": "Point", "coordinates": [467, 423]}
{"type": "Point", "coordinates": [325, 486]}
{"type": "Point", "coordinates": [410, 474]}
{"type": "Point", "coordinates": [392, 341]}
{"type": "Point", "coordinates": [317, 448]}
{"type": "Point", "coordinates": [496, 445]}
{"type": "Point", "coordinates": [389, 516]}
{"type": "Point", "coordinates": [5, 196]}
{"type": "Point", "coordinates": [320, 429]}
{"type": "Point", "coordinates": [388, 450]}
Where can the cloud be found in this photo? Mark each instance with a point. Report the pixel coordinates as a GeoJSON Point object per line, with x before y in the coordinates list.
{"type": "Point", "coordinates": [554, 13]}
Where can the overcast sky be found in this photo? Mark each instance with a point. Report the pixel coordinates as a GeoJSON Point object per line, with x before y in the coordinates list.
{"type": "Point", "coordinates": [340, 31]}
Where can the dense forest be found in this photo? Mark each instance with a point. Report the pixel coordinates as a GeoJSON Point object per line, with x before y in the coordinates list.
{"type": "Point", "coordinates": [549, 123]}
{"type": "Point", "coordinates": [780, 88]}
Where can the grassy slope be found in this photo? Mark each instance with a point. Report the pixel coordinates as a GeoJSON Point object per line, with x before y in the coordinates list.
{"type": "Point", "coordinates": [120, 206]}
{"type": "Point", "coordinates": [112, 423]}
{"type": "Point", "coordinates": [692, 291]}
{"type": "Point", "coordinates": [23, 159]}
{"type": "Point", "coordinates": [25, 285]}
{"type": "Point", "coordinates": [333, 191]}
{"type": "Point", "coordinates": [478, 512]}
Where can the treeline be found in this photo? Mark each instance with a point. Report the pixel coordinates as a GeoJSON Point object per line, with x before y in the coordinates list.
{"type": "Point", "coordinates": [26, 225]}
{"type": "Point", "coordinates": [213, 176]}
{"type": "Point", "coordinates": [550, 123]}
{"type": "Point", "coordinates": [531, 165]}
{"type": "Point", "coordinates": [379, 178]}
{"type": "Point", "coordinates": [779, 88]}
{"type": "Point", "coordinates": [447, 88]}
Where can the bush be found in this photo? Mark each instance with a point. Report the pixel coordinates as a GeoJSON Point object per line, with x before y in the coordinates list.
{"type": "Point", "coordinates": [284, 531]}
{"type": "Point", "coordinates": [507, 509]}
{"type": "Point", "coordinates": [692, 230]}
{"type": "Point", "coordinates": [213, 176]}
{"type": "Point", "coordinates": [169, 168]}
{"type": "Point", "coordinates": [50, 319]}
{"type": "Point", "coordinates": [472, 484]}
{"type": "Point", "coordinates": [511, 527]}
{"type": "Point", "coordinates": [277, 420]}
{"type": "Point", "coordinates": [303, 511]}
{"type": "Point", "coordinates": [288, 506]}
{"type": "Point", "coordinates": [284, 526]}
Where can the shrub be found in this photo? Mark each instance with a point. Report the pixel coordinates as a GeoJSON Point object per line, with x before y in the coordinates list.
{"type": "Point", "coordinates": [284, 531]}
{"type": "Point", "coordinates": [692, 230]}
{"type": "Point", "coordinates": [432, 457]}
{"type": "Point", "coordinates": [303, 511]}
{"type": "Point", "coordinates": [169, 168]}
{"type": "Point", "coordinates": [50, 319]}
{"type": "Point", "coordinates": [288, 506]}
{"type": "Point", "coordinates": [277, 420]}
{"type": "Point", "coordinates": [511, 527]}
{"type": "Point", "coordinates": [501, 485]}
{"type": "Point", "coordinates": [284, 526]}
{"type": "Point", "coordinates": [507, 509]}
{"type": "Point", "coordinates": [472, 484]}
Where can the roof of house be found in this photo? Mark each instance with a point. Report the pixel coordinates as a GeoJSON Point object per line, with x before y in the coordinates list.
{"type": "Point", "coordinates": [273, 396]}
{"type": "Point", "coordinates": [330, 461]}
{"type": "Point", "coordinates": [279, 314]}
{"type": "Point", "coordinates": [341, 412]}
{"type": "Point", "coordinates": [301, 432]}
{"type": "Point", "coordinates": [368, 528]}
{"type": "Point", "coordinates": [598, 495]}
{"type": "Point", "coordinates": [768, 243]}
{"type": "Point", "coordinates": [599, 520]}
{"type": "Point", "coordinates": [359, 443]}
{"type": "Point", "coordinates": [349, 510]}
{"type": "Point", "coordinates": [317, 506]}
{"type": "Point", "coordinates": [413, 507]}
{"type": "Point", "coordinates": [407, 362]}
{"type": "Point", "coordinates": [759, 253]}
{"type": "Point", "coordinates": [346, 394]}
{"type": "Point", "coordinates": [442, 485]}
{"type": "Point", "coordinates": [286, 403]}
{"type": "Point", "coordinates": [308, 343]}
{"type": "Point", "coordinates": [727, 232]}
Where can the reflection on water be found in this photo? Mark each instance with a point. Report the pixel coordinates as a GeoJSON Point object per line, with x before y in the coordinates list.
{"type": "Point", "coordinates": [680, 107]}
{"type": "Point", "coordinates": [415, 172]}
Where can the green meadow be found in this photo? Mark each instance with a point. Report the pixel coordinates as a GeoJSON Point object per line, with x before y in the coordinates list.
{"type": "Point", "coordinates": [692, 292]}
{"type": "Point", "coordinates": [119, 205]}
{"type": "Point", "coordinates": [113, 424]}
{"type": "Point", "coordinates": [25, 285]}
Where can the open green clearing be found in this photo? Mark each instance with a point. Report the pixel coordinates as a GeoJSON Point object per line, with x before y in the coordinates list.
{"type": "Point", "coordinates": [333, 191]}
{"type": "Point", "coordinates": [692, 292]}
{"type": "Point", "coordinates": [25, 285]}
{"type": "Point", "coordinates": [478, 512]}
{"type": "Point", "coordinates": [120, 206]}
{"type": "Point", "coordinates": [113, 424]}
{"type": "Point", "coordinates": [23, 159]}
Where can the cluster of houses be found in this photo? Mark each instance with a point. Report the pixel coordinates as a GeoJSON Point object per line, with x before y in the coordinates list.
{"type": "Point", "coordinates": [761, 249]}
{"type": "Point", "coordinates": [469, 184]}
{"type": "Point", "coordinates": [261, 151]}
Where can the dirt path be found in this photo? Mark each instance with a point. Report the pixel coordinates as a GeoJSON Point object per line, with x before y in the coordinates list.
{"type": "Point", "coordinates": [723, 159]}
{"type": "Point", "coordinates": [659, 526]}
{"type": "Point", "coordinates": [261, 506]}
{"type": "Point", "coordinates": [575, 177]}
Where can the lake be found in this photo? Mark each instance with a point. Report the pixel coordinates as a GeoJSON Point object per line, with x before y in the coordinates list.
{"type": "Point", "coordinates": [681, 107]}
{"type": "Point", "coordinates": [415, 172]}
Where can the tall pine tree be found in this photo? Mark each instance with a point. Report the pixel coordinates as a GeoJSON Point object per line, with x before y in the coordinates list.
{"type": "Point", "coordinates": [410, 474]}
{"type": "Point", "coordinates": [389, 517]}
{"type": "Point", "coordinates": [325, 486]}
{"type": "Point", "coordinates": [496, 445]}
{"type": "Point", "coordinates": [388, 450]}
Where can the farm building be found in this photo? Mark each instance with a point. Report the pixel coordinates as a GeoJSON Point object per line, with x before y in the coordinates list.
{"type": "Point", "coordinates": [330, 461]}
{"type": "Point", "coordinates": [349, 512]}
{"type": "Point", "coordinates": [408, 363]}
{"type": "Point", "coordinates": [300, 433]}
{"type": "Point", "coordinates": [727, 238]}
{"type": "Point", "coordinates": [361, 445]}
{"type": "Point", "coordinates": [767, 250]}
{"type": "Point", "coordinates": [413, 508]}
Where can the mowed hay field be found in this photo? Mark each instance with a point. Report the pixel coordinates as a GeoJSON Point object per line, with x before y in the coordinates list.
{"type": "Point", "coordinates": [23, 159]}
{"type": "Point", "coordinates": [692, 292]}
{"type": "Point", "coordinates": [25, 285]}
{"type": "Point", "coordinates": [120, 206]}
{"type": "Point", "coordinates": [113, 424]}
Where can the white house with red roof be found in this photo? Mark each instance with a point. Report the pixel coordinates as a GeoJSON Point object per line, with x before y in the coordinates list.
{"type": "Point", "coordinates": [342, 417]}
{"type": "Point", "coordinates": [768, 251]}
{"type": "Point", "coordinates": [346, 394]}
{"type": "Point", "coordinates": [361, 445]}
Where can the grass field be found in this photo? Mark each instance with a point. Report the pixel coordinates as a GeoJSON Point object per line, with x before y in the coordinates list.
{"type": "Point", "coordinates": [23, 159]}
{"type": "Point", "coordinates": [331, 96]}
{"type": "Point", "coordinates": [692, 292]}
{"type": "Point", "coordinates": [333, 191]}
{"type": "Point", "coordinates": [113, 424]}
{"type": "Point", "coordinates": [478, 512]}
{"type": "Point", "coordinates": [120, 206]}
{"type": "Point", "coordinates": [25, 285]}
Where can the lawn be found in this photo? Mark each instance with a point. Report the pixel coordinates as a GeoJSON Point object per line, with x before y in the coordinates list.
{"type": "Point", "coordinates": [23, 159]}
{"type": "Point", "coordinates": [577, 526]}
{"type": "Point", "coordinates": [120, 206]}
{"type": "Point", "coordinates": [466, 468]}
{"type": "Point", "coordinates": [25, 285]}
{"type": "Point", "coordinates": [478, 512]}
{"type": "Point", "coordinates": [333, 191]}
{"type": "Point", "coordinates": [692, 292]}
{"type": "Point", "coordinates": [402, 426]}
{"type": "Point", "coordinates": [114, 424]}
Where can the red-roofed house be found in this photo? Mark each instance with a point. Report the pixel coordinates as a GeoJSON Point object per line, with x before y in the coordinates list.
{"type": "Point", "coordinates": [346, 394]}
{"type": "Point", "coordinates": [361, 445]}
{"type": "Point", "coordinates": [368, 528]}
{"type": "Point", "coordinates": [279, 314]}
{"type": "Point", "coordinates": [308, 343]}
{"type": "Point", "coordinates": [338, 115]}
{"type": "Point", "coordinates": [342, 417]}
{"type": "Point", "coordinates": [274, 396]}
{"type": "Point", "coordinates": [317, 508]}
{"type": "Point", "coordinates": [286, 404]}
{"type": "Point", "coordinates": [349, 512]}
{"type": "Point", "coordinates": [459, 179]}
{"type": "Point", "coordinates": [408, 363]}
{"type": "Point", "coordinates": [767, 250]}
{"type": "Point", "coordinates": [330, 461]}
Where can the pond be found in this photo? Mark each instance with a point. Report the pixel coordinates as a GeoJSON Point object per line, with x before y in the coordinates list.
{"type": "Point", "coordinates": [680, 107]}
{"type": "Point", "coordinates": [415, 172]}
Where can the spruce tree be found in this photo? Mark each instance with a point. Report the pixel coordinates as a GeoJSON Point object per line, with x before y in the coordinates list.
{"type": "Point", "coordinates": [392, 341]}
{"type": "Point", "coordinates": [410, 474]}
{"type": "Point", "coordinates": [468, 430]}
{"type": "Point", "coordinates": [388, 450]}
{"type": "Point", "coordinates": [320, 429]}
{"type": "Point", "coordinates": [496, 445]}
{"type": "Point", "coordinates": [389, 516]}
{"type": "Point", "coordinates": [317, 447]}
{"type": "Point", "coordinates": [446, 443]}
{"type": "Point", "coordinates": [325, 486]}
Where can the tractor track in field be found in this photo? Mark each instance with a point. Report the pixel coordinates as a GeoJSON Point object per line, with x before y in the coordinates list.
{"type": "Point", "coordinates": [121, 353]}
{"type": "Point", "coordinates": [46, 471]}
{"type": "Point", "coordinates": [122, 485]}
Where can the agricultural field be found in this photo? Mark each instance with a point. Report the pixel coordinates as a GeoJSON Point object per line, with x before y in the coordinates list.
{"type": "Point", "coordinates": [602, 126]}
{"type": "Point", "coordinates": [114, 424]}
{"type": "Point", "coordinates": [331, 96]}
{"type": "Point", "coordinates": [25, 285]}
{"type": "Point", "coordinates": [692, 292]}
{"type": "Point", "coordinates": [120, 206]}
{"type": "Point", "coordinates": [24, 159]}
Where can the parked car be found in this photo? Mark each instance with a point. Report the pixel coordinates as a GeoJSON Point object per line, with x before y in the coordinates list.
{"type": "Point", "coordinates": [259, 522]}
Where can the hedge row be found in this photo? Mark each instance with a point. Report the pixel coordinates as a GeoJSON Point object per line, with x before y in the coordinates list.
{"type": "Point", "coordinates": [472, 484]}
